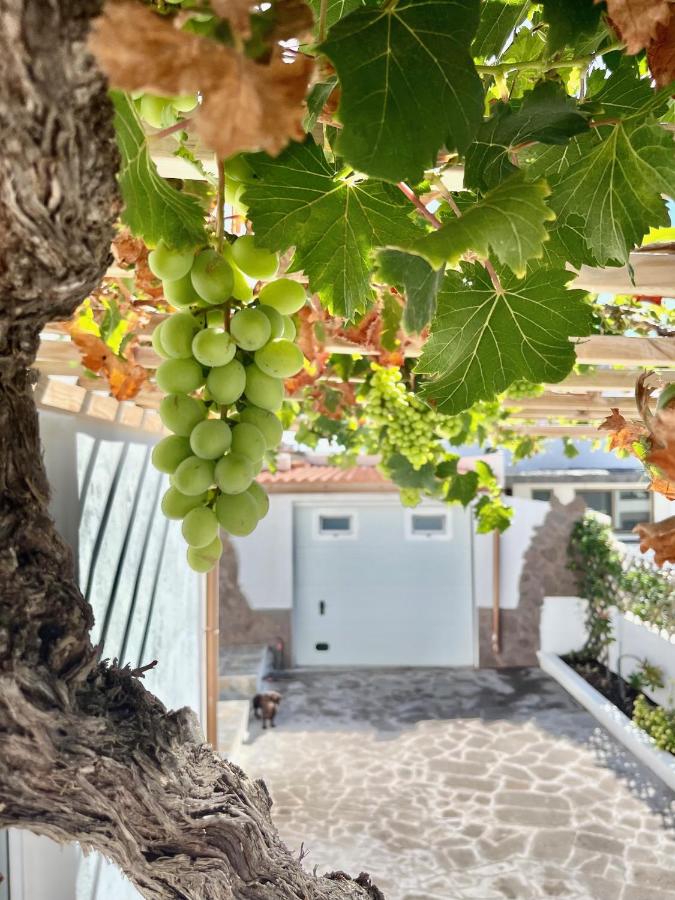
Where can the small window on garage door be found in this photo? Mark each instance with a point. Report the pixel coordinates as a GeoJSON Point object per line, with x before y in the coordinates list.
{"type": "Point", "coordinates": [427, 525]}
{"type": "Point", "coordinates": [335, 525]}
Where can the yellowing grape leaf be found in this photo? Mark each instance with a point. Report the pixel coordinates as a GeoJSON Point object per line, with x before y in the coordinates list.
{"type": "Point", "coordinates": [509, 220]}
{"type": "Point", "coordinates": [408, 84]}
{"type": "Point", "coordinates": [124, 376]}
{"type": "Point", "coordinates": [661, 52]}
{"type": "Point", "coordinates": [334, 220]}
{"type": "Point", "coordinates": [482, 341]}
{"type": "Point", "coordinates": [245, 105]}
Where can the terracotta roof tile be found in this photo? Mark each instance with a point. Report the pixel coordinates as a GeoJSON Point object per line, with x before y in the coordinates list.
{"type": "Point", "coordinates": [306, 478]}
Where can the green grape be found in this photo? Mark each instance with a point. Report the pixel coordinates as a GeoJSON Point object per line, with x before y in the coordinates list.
{"type": "Point", "coordinates": [263, 390]}
{"type": "Point", "coordinates": [157, 344]}
{"type": "Point", "coordinates": [153, 109]}
{"type": "Point", "coordinates": [203, 559]}
{"type": "Point", "coordinates": [290, 331]}
{"type": "Point", "coordinates": [210, 439]}
{"type": "Point", "coordinates": [180, 414]}
{"type": "Point", "coordinates": [276, 320]}
{"type": "Point", "coordinates": [262, 501]}
{"type": "Point", "coordinates": [238, 515]}
{"type": "Point", "coordinates": [169, 452]}
{"type": "Point", "coordinates": [168, 264]}
{"type": "Point", "coordinates": [178, 332]}
{"type": "Point", "coordinates": [284, 295]}
{"type": "Point", "coordinates": [252, 260]}
{"type": "Point", "coordinates": [241, 289]}
{"type": "Point", "coordinates": [179, 376]}
{"type": "Point", "coordinates": [180, 293]}
{"type": "Point", "coordinates": [257, 467]}
{"type": "Point", "coordinates": [238, 169]}
{"type": "Point", "coordinates": [234, 473]}
{"type": "Point", "coordinates": [193, 476]}
{"type": "Point", "coordinates": [250, 329]}
{"type": "Point", "coordinates": [249, 441]}
{"type": "Point", "coordinates": [185, 102]}
{"type": "Point", "coordinates": [176, 505]}
{"type": "Point", "coordinates": [267, 422]}
{"type": "Point", "coordinates": [226, 383]}
{"type": "Point", "coordinates": [212, 277]}
{"type": "Point", "coordinates": [200, 527]}
{"type": "Point", "coordinates": [280, 359]}
{"type": "Point", "coordinates": [212, 347]}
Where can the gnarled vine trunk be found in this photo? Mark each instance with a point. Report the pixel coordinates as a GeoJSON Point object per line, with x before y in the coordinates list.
{"type": "Point", "coordinates": [86, 753]}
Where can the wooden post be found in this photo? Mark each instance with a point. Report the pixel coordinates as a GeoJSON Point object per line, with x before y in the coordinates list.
{"type": "Point", "coordinates": [212, 637]}
{"type": "Point", "coordinates": [496, 598]}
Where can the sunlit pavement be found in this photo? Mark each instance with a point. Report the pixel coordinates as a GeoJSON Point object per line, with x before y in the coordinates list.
{"type": "Point", "coordinates": [454, 784]}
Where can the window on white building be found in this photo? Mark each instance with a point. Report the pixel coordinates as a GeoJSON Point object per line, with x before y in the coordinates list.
{"type": "Point", "coordinates": [336, 525]}
{"type": "Point", "coordinates": [427, 525]}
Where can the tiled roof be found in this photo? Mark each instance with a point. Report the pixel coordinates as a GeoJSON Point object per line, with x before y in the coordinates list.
{"type": "Point", "coordinates": [307, 478]}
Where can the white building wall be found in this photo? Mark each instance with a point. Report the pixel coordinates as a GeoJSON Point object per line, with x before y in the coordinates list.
{"type": "Point", "coordinates": [266, 557]}
{"type": "Point", "coordinates": [527, 516]}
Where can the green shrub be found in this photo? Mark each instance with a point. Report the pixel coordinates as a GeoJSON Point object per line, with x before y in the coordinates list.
{"type": "Point", "coordinates": [658, 722]}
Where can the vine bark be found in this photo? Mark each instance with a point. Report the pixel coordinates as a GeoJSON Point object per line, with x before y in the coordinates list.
{"type": "Point", "coordinates": [86, 753]}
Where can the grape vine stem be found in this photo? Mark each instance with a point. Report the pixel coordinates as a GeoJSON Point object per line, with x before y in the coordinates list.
{"type": "Point", "coordinates": [220, 210]}
{"type": "Point", "coordinates": [433, 220]}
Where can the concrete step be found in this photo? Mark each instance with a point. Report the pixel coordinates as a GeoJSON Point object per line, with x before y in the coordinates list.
{"type": "Point", "coordinates": [242, 670]}
{"type": "Point", "coordinates": [232, 726]}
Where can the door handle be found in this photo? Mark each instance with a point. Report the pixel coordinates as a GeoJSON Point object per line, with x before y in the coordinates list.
{"type": "Point", "coordinates": [322, 607]}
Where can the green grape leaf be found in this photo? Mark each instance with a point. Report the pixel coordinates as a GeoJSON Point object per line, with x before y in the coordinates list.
{"type": "Point", "coordinates": [492, 515]}
{"type": "Point", "coordinates": [482, 341]}
{"type": "Point", "coordinates": [462, 489]}
{"type": "Point", "coordinates": [497, 22]}
{"type": "Point", "coordinates": [626, 94]}
{"type": "Point", "coordinates": [391, 321]}
{"type": "Point", "coordinates": [414, 277]}
{"type": "Point", "coordinates": [408, 84]}
{"type": "Point", "coordinates": [546, 115]}
{"type": "Point", "coordinates": [153, 209]}
{"type": "Point", "coordinates": [567, 19]}
{"type": "Point", "coordinates": [615, 188]}
{"type": "Point", "coordinates": [402, 473]}
{"type": "Point", "coordinates": [316, 101]}
{"type": "Point", "coordinates": [509, 220]}
{"type": "Point", "coordinates": [336, 9]}
{"type": "Point", "coordinates": [333, 219]}
{"type": "Point", "coordinates": [567, 244]}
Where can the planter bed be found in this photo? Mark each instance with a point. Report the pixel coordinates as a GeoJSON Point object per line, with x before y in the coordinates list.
{"type": "Point", "coordinates": [610, 716]}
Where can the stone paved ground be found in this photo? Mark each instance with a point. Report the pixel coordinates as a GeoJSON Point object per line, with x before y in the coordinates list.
{"type": "Point", "coordinates": [462, 785]}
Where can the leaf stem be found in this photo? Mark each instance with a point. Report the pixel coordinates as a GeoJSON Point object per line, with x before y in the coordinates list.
{"type": "Point", "coordinates": [182, 125]}
{"type": "Point", "coordinates": [417, 203]}
{"type": "Point", "coordinates": [220, 210]}
{"type": "Point", "coordinates": [323, 15]}
{"type": "Point", "coordinates": [538, 65]}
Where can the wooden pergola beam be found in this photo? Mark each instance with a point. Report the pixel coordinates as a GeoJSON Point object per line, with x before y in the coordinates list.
{"type": "Point", "coordinates": [556, 431]}
{"type": "Point", "coordinates": [550, 402]}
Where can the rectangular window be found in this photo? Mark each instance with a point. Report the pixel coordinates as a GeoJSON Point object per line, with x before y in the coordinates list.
{"type": "Point", "coordinates": [541, 494]}
{"type": "Point", "coordinates": [600, 501]}
{"type": "Point", "coordinates": [335, 525]}
{"type": "Point", "coordinates": [632, 508]}
{"type": "Point", "coordinates": [427, 525]}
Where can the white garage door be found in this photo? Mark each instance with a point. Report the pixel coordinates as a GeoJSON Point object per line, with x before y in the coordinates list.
{"type": "Point", "coordinates": [379, 585]}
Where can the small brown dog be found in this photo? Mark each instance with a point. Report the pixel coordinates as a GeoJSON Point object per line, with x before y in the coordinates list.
{"type": "Point", "coordinates": [265, 707]}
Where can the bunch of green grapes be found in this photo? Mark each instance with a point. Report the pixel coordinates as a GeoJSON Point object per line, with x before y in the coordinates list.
{"type": "Point", "coordinates": [404, 423]}
{"type": "Point", "coordinates": [162, 112]}
{"type": "Point", "coordinates": [226, 355]}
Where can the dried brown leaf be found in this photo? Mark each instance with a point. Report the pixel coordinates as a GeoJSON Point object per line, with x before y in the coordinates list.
{"type": "Point", "coordinates": [245, 105]}
{"type": "Point", "coordinates": [659, 537]}
{"type": "Point", "coordinates": [124, 376]}
{"type": "Point", "coordinates": [237, 13]}
{"type": "Point", "coordinates": [292, 18]}
{"type": "Point", "coordinates": [637, 21]}
{"type": "Point", "coordinates": [624, 431]}
{"type": "Point", "coordinates": [661, 52]}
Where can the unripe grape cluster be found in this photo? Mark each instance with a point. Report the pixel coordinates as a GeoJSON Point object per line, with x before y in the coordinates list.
{"type": "Point", "coordinates": [404, 423]}
{"type": "Point", "coordinates": [225, 357]}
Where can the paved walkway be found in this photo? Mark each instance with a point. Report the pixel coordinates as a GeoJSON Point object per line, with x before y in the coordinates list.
{"type": "Point", "coordinates": [462, 785]}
